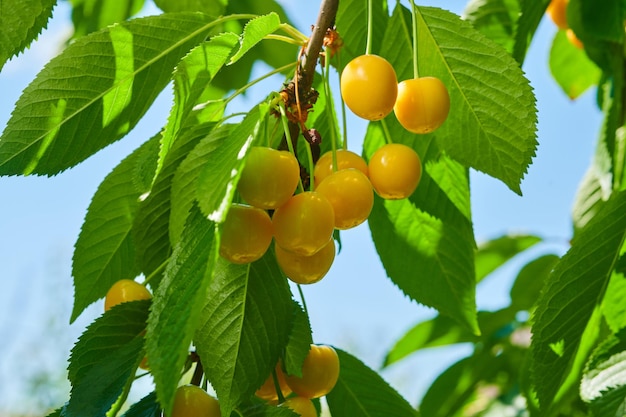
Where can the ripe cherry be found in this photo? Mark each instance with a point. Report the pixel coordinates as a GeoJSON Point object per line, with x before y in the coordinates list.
{"type": "Point", "coordinates": [267, 391]}
{"type": "Point", "coordinates": [557, 11]}
{"type": "Point", "coordinates": [345, 159]}
{"type": "Point", "coordinates": [320, 372]}
{"type": "Point", "coordinates": [304, 224]}
{"type": "Point", "coordinates": [123, 291]}
{"type": "Point", "coordinates": [306, 269]}
{"type": "Point", "coordinates": [422, 105]}
{"type": "Point", "coordinates": [351, 194]}
{"type": "Point", "coordinates": [193, 401]}
{"type": "Point", "coordinates": [369, 86]}
{"type": "Point", "coordinates": [395, 171]}
{"type": "Point", "coordinates": [246, 234]}
{"type": "Point", "coordinates": [269, 177]}
{"type": "Point", "coordinates": [301, 406]}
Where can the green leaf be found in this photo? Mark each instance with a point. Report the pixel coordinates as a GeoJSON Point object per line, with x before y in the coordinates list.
{"type": "Point", "coordinates": [21, 22]}
{"type": "Point", "coordinates": [426, 241]}
{"type": "Point", "coordinates": [91, 15]}
{"type": "Point", "coordinates": [95, 91]}
{"type": "Point", "coordinates": [597, 20]}
{"type": "Point", "coordinates": [529, 282]}
{"type": "Point", "coordinates": [262, 409]}
{"type": "Point", "coordinates": [210, 7]}
{"type": "Point", "coordinates": [148, 406]}
{"type": "Point", "coordinates": [254, 32]}
{"type": "Point", "coordinates": [613, 306]}
{"type": "Point", "coordinates": [184, 183]}
{"type": "Point", "coordinates": [192, 79]}
{"type": "Point", "coordinates": [177, 305]}
{"type": "Point", "coordinates": [273, 52]}
{"type": "Point", "coordinates": [451, 390]}
{"type": "Point", "coordinates": [105, 358]}
{"type": "Point", "coordinates": [151, 227]}
{"type": "Point", "coordinates": [594, 189]}
{"type": "Point", "coordinates": [438, 331]}
{"type": "Point", "coordinates": [571, 68]}
{"type": "Point", "coordinates": [443, 331]}
{"type": "Point", "coordinates": [492, 122]}
{"type": "Point", "coordinates": [217, 181]}
{"type": "Point", "coordinates": [606, 370]}
{"type": "Point", "coordinates": [496, 252]}
{"type": "Point", "coordinates": [531, 14]}
{"type": "Point", "coordinates": [572, 293]}
{"type": "Point", "coordinates": [245, 325]}
{"type": "Point", "coordinates": [59, 412]}
{"type": "Point", "coordinates": [299, 343]}
{"type": "Point", "coordinates": [496, 19]}
{"type": "Point", "coordinates": [360, 391]}
{"type": "Point", "coordinates": [352, 25]}
{"type": "Point", "coordinates": [105, 250]}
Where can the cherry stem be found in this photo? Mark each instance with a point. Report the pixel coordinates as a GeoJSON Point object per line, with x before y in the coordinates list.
{"type": "Point", "coordinates": [279, 391]}
{"type": "Point", "coordinates": [306, 310]}
{"type": "Point", "coordinates": [386, 133]}
{"type": "Point", "coordinates": [344, 120]}
{"type": "Point", "coordinates": [285, 122]}
{"type": "Point", "coordinates": [368, 44]}
{"type": "Point", "coordinates": [117, 406]}
{"type": "Point", "coordinates": [416, 73]}
{"type": "Point", "coordinates": [196, 378]}
{"type": "Point", "coordinates": [311, 164]}
{"type": "Point", "coordinates": [330, 110]}
{"type": "Point", "coordinates": [154, 273]}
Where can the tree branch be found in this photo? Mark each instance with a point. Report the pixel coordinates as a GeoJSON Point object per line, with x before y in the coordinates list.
{"type": "Point", "coordinates": [325, 20]}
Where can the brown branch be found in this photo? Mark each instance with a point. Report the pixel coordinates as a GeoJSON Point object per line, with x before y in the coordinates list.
{"type": "Point", "coordinates": [325, 21]}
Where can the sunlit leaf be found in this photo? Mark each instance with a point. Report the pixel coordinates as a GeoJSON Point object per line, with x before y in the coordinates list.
{"type": "Point", "coordinates": [496, 19]}
{"type": "Point", "coordinates": [571, 68]}
{"type": "Point", "coordinates": [254, 31]}
{"type": "Point", "coordinates": [496, 252]}
{"type": "Point", "coordinates": [572, 294]}
{"type": "Point", "coordinates": [92, 15]}
{"type": "Point", "coordinates": [95, 91]}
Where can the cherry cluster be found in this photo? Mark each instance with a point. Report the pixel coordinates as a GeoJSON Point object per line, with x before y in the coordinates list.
{"type": "Point", "coordinates": [370, 89]}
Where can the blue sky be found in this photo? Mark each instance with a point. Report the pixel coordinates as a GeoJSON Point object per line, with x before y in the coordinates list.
{"type": "Point", "coordinates": [355, 307]}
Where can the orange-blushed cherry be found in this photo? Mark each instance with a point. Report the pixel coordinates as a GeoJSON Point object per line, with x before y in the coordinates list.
{"type": "Point", "coordinates": [301, 406]}
{"type": "Point", "coordinates": [557, 12]}
{"type": "Point", "coordinates": [345, 159]}
{"type": "Point", "coordinates": [267, 391]}
{"type": "Point", "coordinates": [306, 269]}
{"type": "Point", "coordinates": [123, 291]}
{"type": "Point", "coordinates": [422, 105]}
{"type": "Point", "coordinates": [351, 194]}
{"type": "Point", "coordinates": [369, 86]}
{"type": "Point", "coordinates": [246, 234]}
{"type": "Point", "coordinates": [269, 177]}
{"type": "Point", "coordinates": [395, 171]}
{"type": "Point", "coordinates": [304, 224]}
{"type": "Point", "coordinates": [320, 372]}
{"type": "Point", "coordinates": [193, 401]}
